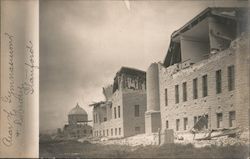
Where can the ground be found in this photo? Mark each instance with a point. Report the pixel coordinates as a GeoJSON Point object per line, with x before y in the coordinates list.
{"type": "Point", "coordinates": [88, 150]}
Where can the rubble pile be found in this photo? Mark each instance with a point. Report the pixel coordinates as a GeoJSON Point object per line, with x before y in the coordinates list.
{"type": "Point", "coordinates": [141, 139]}
{"type": "Point", "coordinates": [219, 138]}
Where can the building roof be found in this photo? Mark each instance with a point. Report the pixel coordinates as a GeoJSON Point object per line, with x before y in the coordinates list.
{"type": "Point", "coordinates": [77, 110]}
{"type": "Point", "coordinates": [100, 104]}
{"type": "Point", "coordinates": [234, 14]}
{"type": "Point", "coordinates": [131, 71]}
{"type": "Point", "coordinates": [127, 71]}
{"type": "Point", "coordinates": [228, 13]}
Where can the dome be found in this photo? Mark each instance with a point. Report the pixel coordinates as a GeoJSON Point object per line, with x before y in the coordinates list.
{"type": "Point", "coordinates": [77, 110]}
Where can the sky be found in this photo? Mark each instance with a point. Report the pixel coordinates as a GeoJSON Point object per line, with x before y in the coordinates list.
{"type": "Point", "coordinates": [83, 43]}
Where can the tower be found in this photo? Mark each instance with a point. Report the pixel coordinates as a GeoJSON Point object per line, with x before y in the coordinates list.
{"type": "Point", "coordinates": [153, 114]}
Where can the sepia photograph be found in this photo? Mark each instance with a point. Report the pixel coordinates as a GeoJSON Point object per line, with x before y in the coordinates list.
{"type": "Point", "coordinates": [144, 79]}
{"type": "Point", "coordinates": [125, 79]}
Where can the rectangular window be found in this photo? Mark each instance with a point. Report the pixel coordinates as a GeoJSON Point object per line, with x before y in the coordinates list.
{"type": "Point", "coordinates": [137, 130]}
{"type": "Point", "coordinates": [167, 124]}
{"type": "Point", "coordinates": [115, 112]}
{"type": "Point", "coordinates": [103, 133]}
{"type": "Point", "coordinates": [120, 131]}
{"type": "Point", "coordinates": [119, 111]}
{"type": "Point", "coordinates": [176, 93]}
{"type": "Point", "coordinates": [195, 120]}
{"type": "Point", "coordinates": [111, 112]}
{"type": "Point", "coordinates": [219, 120]}
{"type": "Point", "coordinates": [185, 123]}
{"type": "Point", "coordinates": [111, 132]}
{"type": "Point", "coordinates": [195, 88]}
{"type": "Point", "coordinates": [231, 78]}
{"type": "Point", "coordinates": [137, 110]}
{"type": "Point", "coordinates": [206, 124]}
{"type": "Point", "coordinates": [204, 85]}
{"type": "Point", "coordinates": [184, 90]}
{"type": "Point", "coordinates": [177, 124]}
{"type": "Point", "coordinates": [107, 132]}
{"type": "Point", "coordinates": [115, 131]}
{"type": "Point", "coordinates": [232, 119]}
{"type": "Point", "coordinates": [218, 81]}
{"type": "Point", "coordinates": [166, 97]}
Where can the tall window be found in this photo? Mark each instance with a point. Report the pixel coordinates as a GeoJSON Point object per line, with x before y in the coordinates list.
{"type": "Point", "coordinates": [184, 90]}
{"type": "Point", "coordinates": [206, 125]}
{"type": "Point", "coordinates": [137, 130]}
{"type": "Point", "coordinates": [166, 97]}
{"type": "Point", "coordinates": [232, 119]}
{"type": "Point", "coordinates": [218, 81]}
{"type": "Point", "coordinates": [120, 131]}
{"type": "Point", "coordinates": [166, 124]}
{"type": "Point", "coordinates": [177, 124]}
{"type": "Point", "coordinates": [107, 132]}
{"type": "Point", "coordinates": [115, 131]}
{"type": "Point", "coordinates": [137, 110]}
{"type": "Point", "coordinates": [195, 88]}
{"type": "Point", "coordinates": [96, 120]}
{"type": "Point", "coordinates": [111, 132]}
{"type": "Point", "coordinates": [204, 85]}
{"type": "Point", "coordinates": [115, 112]}
{"type": "Point", "coordinates": [119, 111]}
{"type": "Point", "coordinates": [231, 78]}
{"type": "Point", "coordinates": [219, 120]}
{"type": "Point", "coordinates": [111, 112]}
{"type": "Point", "coordinates": [185, 123]}
{"type": "Point", "coordinates": [195, 120]}
{"type": "Point", "coordinates": [103, 133]}
{"type": "Point", "coordinates": [176, 94]}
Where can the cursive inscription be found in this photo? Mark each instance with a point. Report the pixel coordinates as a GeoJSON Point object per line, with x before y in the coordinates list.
{"type": "Point", "coordinates": [11, 90]}
{"type": "Point", "coordinates": [29, 85]}
{"type": "Point", "coordinates": [17, 90]}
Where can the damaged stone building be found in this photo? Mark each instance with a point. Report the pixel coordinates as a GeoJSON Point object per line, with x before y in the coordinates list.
{"type": "Point", "coordinates": [205, 74]}
{"type": "Point", "coordinates": [77, 126]}
{"type": "Point", "coordinates": [122, 112]}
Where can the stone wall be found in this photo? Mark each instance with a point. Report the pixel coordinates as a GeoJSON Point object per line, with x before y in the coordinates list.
{"type": "Point", "coordinates": [130, 99]}
{"type": "Point", "coordinates": [105, 128]}
{"type": "Point", "coordinates": [125, 124]}
{"type": "Point", "coordinates": [236, 100]}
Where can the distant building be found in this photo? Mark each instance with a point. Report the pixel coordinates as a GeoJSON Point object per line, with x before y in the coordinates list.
{"type": "Point", "coordinates": [205, 75]}
{"type": "Point", "coordinates": [122, 113]}
{"type": "Point", "coordinates": [77, 126]}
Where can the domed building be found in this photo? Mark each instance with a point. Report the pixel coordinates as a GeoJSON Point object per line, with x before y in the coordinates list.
{"type": "Point", "coordinates": [77, 114]}
{"type": "Point", "coordinates": [77, 126]}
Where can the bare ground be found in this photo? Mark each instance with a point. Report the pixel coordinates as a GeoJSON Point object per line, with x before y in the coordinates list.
{"type": "Point", "coordinates": [86, 150]}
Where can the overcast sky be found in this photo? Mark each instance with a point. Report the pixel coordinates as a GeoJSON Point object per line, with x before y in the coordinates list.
{"type": "Point", "coordinates": [84, 43]}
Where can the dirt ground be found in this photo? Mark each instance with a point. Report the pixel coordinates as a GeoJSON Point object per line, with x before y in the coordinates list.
{"type": "Point", "coordinates": [88, 150]}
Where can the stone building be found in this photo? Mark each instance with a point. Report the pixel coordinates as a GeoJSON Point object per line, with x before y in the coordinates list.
{"type": "Point", "coordinates": [204, 74]}
{"type": "Point", "coordinates": [122, 112]}
{"type": "Point", "coordinates": [77, 126]}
